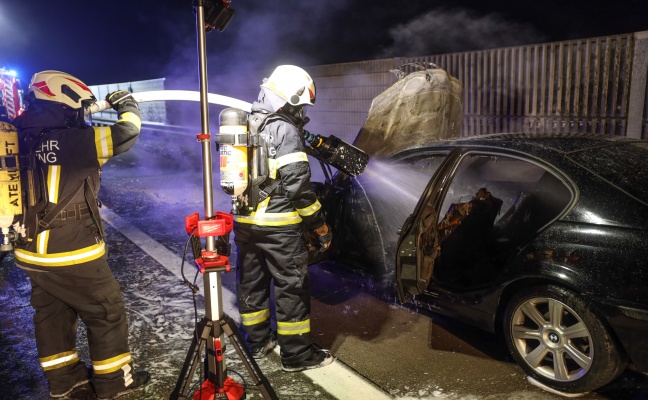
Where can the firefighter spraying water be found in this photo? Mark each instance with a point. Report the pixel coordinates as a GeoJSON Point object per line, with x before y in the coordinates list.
{"type": "Point", "coordinates": [265, 170]}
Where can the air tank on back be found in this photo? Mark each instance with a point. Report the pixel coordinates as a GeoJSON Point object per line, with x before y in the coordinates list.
{"type": "Point", "coordinates": [232, 138]}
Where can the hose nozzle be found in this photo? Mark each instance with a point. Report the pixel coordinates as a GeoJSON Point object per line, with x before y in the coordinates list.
{"type": "Point", "coordinates": [337, 153]}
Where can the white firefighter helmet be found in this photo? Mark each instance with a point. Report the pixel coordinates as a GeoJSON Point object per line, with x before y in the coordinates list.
{"type": "Point", "coordinates": [62, 88]}
{"type": "Point", "coordinates": [292, 84]}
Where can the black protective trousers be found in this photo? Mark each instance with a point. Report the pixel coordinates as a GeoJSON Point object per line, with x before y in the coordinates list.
{"type": "Point", "coordinates": [276, 257]}
{"type": "Point", "coordinates": [88, 291]}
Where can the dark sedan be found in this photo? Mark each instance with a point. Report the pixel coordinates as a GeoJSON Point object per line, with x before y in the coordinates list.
{"type": "Point", "coordinates": [540, 238]}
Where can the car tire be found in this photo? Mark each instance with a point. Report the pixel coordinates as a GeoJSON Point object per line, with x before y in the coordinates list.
{"type": "Point", "coordinates": [558, 341]}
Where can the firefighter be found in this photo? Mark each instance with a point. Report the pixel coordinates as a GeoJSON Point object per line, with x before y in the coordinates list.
{"type": "Point", "coordinates": [64, 252]}
{"type": "Point", "coordinates": [269, 241]}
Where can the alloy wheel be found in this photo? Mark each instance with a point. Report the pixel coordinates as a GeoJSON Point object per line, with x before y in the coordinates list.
{"type": "Point", "coordinates": [552, 339]}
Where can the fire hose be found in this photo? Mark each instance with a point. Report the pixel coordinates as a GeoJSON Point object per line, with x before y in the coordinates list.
{"type": "Point", "coordinates": [170, 95]}
{"type": "Point", "coordinates": [330, 150]}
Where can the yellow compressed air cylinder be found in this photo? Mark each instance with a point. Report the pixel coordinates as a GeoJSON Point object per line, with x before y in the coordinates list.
{"type": "Point", "coordinates": [233, 151]}
{"type": "Point", "coordinates": [10, 189]}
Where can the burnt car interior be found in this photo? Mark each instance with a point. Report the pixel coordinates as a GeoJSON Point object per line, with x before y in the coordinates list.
{"type": "Point", "coordinates": [493, 206]}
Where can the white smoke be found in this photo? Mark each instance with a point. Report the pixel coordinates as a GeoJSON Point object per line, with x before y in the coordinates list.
{"type": "Point", "coordinates": [449, 31]}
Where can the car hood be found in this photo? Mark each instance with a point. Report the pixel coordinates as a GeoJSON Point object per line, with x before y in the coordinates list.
{"type": "Point", "coordinates": [420, 108]}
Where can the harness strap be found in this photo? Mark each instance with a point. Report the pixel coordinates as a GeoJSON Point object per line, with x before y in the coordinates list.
{"type": "Point", "coordinates": [75, 213]}
{"type": "Point", "coordinates": [268, 189]}
{"type": "Point", "coordinates": [93, 203]}
{"type": "Point", "coordinates": [52, 214]}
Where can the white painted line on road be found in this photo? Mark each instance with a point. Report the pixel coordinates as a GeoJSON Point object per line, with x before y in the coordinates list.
{"type": "Point", "coordinates": [344, 383]}
{"type": "Point", "coordinates": [165, 257]}
{"type": "Point", "coordinates": [338, 379]}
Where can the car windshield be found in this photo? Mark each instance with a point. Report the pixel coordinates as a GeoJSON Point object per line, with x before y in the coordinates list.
{"type": "Point", "coordinates": [623, 165]}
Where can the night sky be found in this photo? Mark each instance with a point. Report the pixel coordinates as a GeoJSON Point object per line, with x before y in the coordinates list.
{"type": "Point", "coordinates": [129, 40]}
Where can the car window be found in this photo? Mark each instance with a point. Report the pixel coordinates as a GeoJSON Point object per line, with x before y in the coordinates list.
{"type": "Point", "coordinates": [508, 179]}
{"type": "Point", "coordinates": [493, 205]}
{"type": "Point", "coordinates": [623, 165]}
{"type": "Point", "coordinates": [528, 196]}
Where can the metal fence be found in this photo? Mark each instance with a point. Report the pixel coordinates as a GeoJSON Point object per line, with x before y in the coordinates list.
{"type": "Point", "coordinates": [574, 86]}
{"type": "Point", "coordinates": [588, 85]}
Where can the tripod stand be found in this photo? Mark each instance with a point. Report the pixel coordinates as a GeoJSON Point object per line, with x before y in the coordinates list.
{"type": "Point", "coordinates": [210, 330]}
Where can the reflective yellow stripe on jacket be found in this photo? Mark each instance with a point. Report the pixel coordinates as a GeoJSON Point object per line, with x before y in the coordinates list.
{"type": "Point", "coordinates": [263, 218]}
{"type": "Point", "coordinates": [53, 181]}
{"type": "Point", "coordinates": [310, 210]}
{"type": "Point", "coordinates": [103, 144]}
{"type": "Point", "coordinates": [275, 164]}
{"type": "Point", "coordinates": [260, 217]}
{"type": "Point", "coordinates": [61, 259]}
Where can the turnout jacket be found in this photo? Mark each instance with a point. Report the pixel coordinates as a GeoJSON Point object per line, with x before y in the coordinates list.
{"type": "Point", "coordinates": [68, 160]}
{"type": "Point", "coordinates": [293, 202]}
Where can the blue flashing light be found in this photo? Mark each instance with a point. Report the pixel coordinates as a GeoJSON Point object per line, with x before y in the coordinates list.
{"type": "Point", "coordinates": [10, 72]}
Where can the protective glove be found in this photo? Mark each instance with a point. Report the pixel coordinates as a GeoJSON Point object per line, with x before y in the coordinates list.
{"type": "Point", "coordinates": [325, 239]}
{"type": "Point", "coordinates": [121, 98]}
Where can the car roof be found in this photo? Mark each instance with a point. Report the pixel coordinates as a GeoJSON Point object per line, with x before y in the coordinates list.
{"type": "Point", "coordinates": [561, 143]}
{"type": "Point", "coordinates": [617, 160]}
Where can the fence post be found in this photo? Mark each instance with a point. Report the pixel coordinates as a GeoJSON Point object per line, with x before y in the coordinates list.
{"type": "Point", "coordinates": [637, 96]}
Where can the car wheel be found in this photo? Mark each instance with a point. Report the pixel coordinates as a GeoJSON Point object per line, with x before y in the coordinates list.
{"type": "Point", "coordinates": [559, 342]}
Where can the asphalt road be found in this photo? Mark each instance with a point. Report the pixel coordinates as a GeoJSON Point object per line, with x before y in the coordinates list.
{"type": "Point", "coordinates": [384, 349]}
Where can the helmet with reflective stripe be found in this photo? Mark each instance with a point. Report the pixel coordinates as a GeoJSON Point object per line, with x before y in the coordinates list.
{"type": "Point", "coordinates": [61, 88]}
{"type": "Point", "coordinates": [292, 84]}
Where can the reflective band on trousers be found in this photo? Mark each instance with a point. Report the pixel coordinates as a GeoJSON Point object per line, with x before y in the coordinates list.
{"type": "Point", "coordinates": [293, 328]}
{"type": "Point", "coordinates": [112, 364]}
{"type": "Point", "coordinates": [59, 360]}
{"type": "Point", "coordinates": [254, 318]}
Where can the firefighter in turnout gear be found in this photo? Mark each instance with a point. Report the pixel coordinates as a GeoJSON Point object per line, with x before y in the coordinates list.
{"type": "Point", "coordinates": [63, 251]}
{"type": "Point", "coordinates": [269, 240]}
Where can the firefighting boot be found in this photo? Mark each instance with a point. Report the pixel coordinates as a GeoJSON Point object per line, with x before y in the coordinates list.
{"type": "Point", "coordinates": [262, 350]}
{"type": "Point", "coordinates": [68, 380]}
{"type": "Point", "coordinates": [140, 379]}
{"type": "Point", "coordinates": [317, 359]}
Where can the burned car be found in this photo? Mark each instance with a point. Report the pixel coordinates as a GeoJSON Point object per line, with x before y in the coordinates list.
{"type": "Point", "coordinates": [542, 239]}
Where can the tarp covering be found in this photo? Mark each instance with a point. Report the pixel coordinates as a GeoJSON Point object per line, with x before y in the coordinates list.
{"type": "Point", "coordinates": [421, 107]}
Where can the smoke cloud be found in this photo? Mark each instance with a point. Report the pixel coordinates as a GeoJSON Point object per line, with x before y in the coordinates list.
{"type": "Point", "coordinates": [446, 31]}
{"type": "Point", "coordinates": [260, 36]}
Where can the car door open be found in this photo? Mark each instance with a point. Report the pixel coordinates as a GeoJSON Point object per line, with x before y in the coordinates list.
{"type": "Point", "coordinates": [419, 239]}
